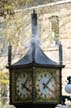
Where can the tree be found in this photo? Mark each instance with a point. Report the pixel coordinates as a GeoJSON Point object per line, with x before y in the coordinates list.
{"type": "Point", "coordinates": [4, 82]}
{"type": "Point", "coordinates": [8, 6]}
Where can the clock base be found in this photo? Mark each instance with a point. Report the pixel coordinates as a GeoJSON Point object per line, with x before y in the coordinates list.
{"type": "Point", "coordinates": [41, 105]}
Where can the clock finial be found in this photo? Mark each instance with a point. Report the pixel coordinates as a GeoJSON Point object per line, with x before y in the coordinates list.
{"type": "Point", "coordinates": [9, 54]}
{"type": "Point", "coordinates": [60, 53]}
{"type": "Point", "coordinates": [34, 17]}
{"type": "Point", "coordinates": [34, 33]}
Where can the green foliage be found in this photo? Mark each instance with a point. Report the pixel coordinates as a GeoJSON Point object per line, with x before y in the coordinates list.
{"type": "Point", "coordinates": [4, 82]}
{"type": "Point", "coordinates": [15, 27]}
{"type": "Point", "coordinates": [8, 6]}
{"type": "Point", "coordinates": [4, 78]}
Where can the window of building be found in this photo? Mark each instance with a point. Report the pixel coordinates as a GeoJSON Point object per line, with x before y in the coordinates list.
{"type": "Point", "coordinates": [54, 28]}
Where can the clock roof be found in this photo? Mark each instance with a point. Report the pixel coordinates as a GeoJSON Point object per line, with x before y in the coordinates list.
{"type": "Point", "coordinates": [35, 55]}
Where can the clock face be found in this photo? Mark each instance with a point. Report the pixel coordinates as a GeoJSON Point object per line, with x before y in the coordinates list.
{"type": "Point", "coordinates": [23, 85]}
{"type": "Point", "coordinates": [46, 86]}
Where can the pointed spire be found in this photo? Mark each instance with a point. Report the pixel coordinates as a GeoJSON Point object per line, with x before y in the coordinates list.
{"type": "Point", "coordinates": [34, 33]}
{"type": "Point", "coordinates": [34, 23]}
{"type": "Point", "coordinates": [34, 18]}
{"type": "Point", "coordinates": [60, 53]}
{"type": "Point", "coordinates": [9, 54]}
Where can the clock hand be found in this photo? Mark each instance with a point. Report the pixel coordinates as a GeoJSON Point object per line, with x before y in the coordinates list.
{"type": "Point", "coordinates": [48, 81]}
{"type": "Point", "coordinates": [26, 81]}
{"type": "Point", "coordinates": [49, 88]}
{"type": "Point", "coordinates": [24, 86]}
{"type": "Point", "coordinates": [27, 89]}
{"type": "Point", "coordinates": [45, 84]}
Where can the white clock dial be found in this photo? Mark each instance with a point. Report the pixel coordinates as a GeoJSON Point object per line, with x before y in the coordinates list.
{"type": "Point", "coordinates": [45, 85]}
{"type": "Point", "coordinates": [24, 85]}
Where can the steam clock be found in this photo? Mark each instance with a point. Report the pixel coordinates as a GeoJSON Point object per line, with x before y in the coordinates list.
{"type": "Point", "coordinates": [35, 80]}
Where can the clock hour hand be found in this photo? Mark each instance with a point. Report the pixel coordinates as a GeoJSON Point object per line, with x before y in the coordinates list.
{"type": "Point", "coordinates": [48, 81]}
{"type": "Point", "coordinates": [44, 85]}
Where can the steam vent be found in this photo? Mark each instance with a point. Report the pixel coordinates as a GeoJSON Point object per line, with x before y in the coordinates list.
{"type": "Point", "coordinates": [35, 80]}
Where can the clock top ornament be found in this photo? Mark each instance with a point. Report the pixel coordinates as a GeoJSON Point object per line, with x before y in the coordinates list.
{"type": "Point", "coordinates": [35, 79]}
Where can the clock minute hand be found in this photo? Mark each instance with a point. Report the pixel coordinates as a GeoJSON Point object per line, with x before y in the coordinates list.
{"type": "Point", "coordinates": [27, 88]}
{"type": "Point", "coordinates": [49, 88]}
{"type": "Point", "coordinates": [48, 81]}
{"type": "Point", "coordinates": [26, 81]}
